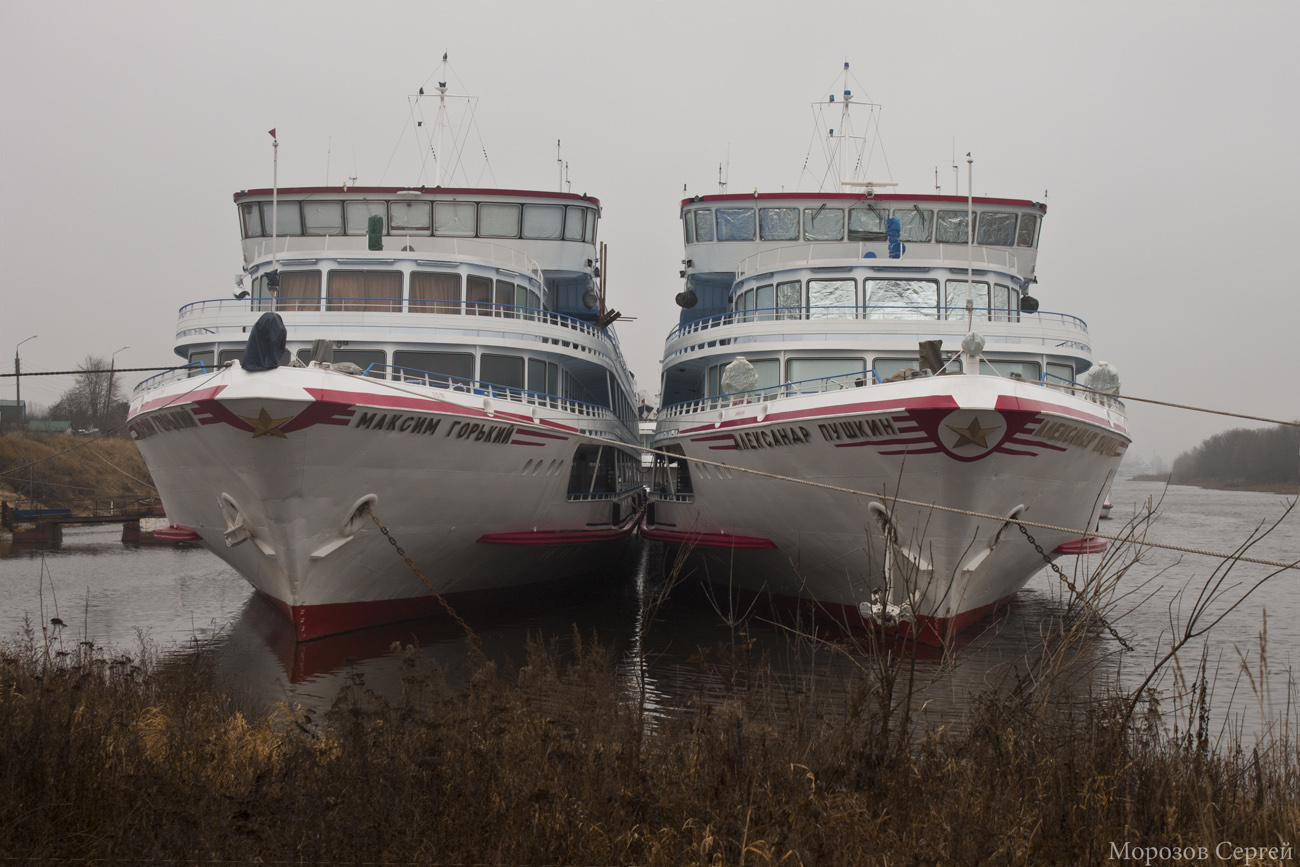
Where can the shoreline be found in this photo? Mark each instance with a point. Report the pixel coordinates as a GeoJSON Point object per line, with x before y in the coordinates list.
{"type": "Point", "coordinates": [1282, 488]}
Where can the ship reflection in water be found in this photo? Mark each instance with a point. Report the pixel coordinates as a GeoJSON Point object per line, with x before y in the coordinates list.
{"type": "Point", "coordinates": [187, 601]}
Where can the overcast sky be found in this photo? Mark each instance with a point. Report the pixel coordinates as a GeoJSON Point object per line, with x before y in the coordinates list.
{"type": "Point", "coordinates": [1163, 135]}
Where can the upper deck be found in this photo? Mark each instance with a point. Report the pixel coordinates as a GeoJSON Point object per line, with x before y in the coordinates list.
{"type": "Point", "coordinates": [556, 230]}
{"type": "Point", "coordinates": [723, 231]}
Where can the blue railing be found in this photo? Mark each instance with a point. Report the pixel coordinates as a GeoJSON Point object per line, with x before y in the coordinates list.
{"type": "Point", "coordinates": [896, 313]}
{"type": "Point", "coordinates": [412, 376]}
{"type": "Point", "coordinates": [158, 380]}
{"type": "Point", "coordinates": [853, 379]}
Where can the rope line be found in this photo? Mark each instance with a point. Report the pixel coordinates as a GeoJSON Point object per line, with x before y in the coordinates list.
{"type": "Point", "coordinates": [1074, 387]}
{"type": "Point", "coordinates": [78, 372]}
{"type": "Point", "coordinates": [1294, 564]}
{"type": "Point", "coordinates": [203, 381]}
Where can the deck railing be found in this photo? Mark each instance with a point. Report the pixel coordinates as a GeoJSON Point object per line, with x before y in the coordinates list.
{"type": "Point", "coordinates": [877, 312]}
{"type": "Point", "coordinates": [853, 379]}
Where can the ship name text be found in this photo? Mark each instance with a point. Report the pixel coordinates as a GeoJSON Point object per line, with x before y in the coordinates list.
{"type": "Point", "coordinates": [428, 426]}
{"type": "Point", "coordinates": [857, 429]}
{"type": "Point", "coordinates": [162, 422]}
{"type": "Point", "coordinates": [1074, 435]}
{"type": "Point", "coordinates": [768, 439]}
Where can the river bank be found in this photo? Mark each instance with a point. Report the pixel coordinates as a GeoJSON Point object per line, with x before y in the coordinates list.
{"type": "Point", "coordinates": [554, 760]}
{"type": "Point", "coordinates": [61, 470]}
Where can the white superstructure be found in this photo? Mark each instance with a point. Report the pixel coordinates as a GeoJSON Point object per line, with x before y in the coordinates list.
{"type": "Point", "coordinates": [466, 389]}
{"type": "Point", "coordinates": [824, 307]}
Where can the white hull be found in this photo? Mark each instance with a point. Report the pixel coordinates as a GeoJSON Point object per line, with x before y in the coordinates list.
{"type": "Point", "coordinates": [274, 470]}
{"type": "Point", "coordinates": [975, 443]}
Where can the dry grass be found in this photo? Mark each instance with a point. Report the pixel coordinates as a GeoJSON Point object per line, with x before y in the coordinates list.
{"type": "Point", "coordinates": [107, 470]}
{"type": "Point", "coordinates": [552, 762]}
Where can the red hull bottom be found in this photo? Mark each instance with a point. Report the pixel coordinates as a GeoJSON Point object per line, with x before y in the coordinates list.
{"type": "Point", "coordinates": [938, 632]}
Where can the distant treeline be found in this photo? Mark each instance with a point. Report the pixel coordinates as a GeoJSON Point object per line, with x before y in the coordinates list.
{"type": "Point", "coordinates": [1242, 458]}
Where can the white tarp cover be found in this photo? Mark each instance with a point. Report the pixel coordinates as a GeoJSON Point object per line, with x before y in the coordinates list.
{"type": "Point", "coordinates": [409, 217]}
{"type": "Point", "coordinates": [916, 224]}
{"type": "Point", "coordinates": [952, 228]}
{"type": "Point", "coordinates": [736, 224]}
{"type": "Point", "coordinates": [837, 294]}
{"type": "Point", "coordinates": [739, 375]}
{"type": "Point", "coordinates": [996, 229]}
{"type": "Point", "coordinates": [453, 218]}
{"type": "Point", "coordinates": [1103, 377]}
{"type": "Point", "coordinates": [901, 299]}
{"type": "Point", "coordinates": [778, 224]}
{"type": "Point", "coordinates": [544, 222]}
{"type": "Point", "coordinates": [358, 213]}
{"type": "Point", "coordinates": [323, 218]}
{"type": "Point", "coordinates": [497, 220]}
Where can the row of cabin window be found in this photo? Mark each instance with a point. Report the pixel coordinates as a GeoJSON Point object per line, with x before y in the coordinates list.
{"type": "Point", "coordinates": [444, 219]}
{"type": "Point", "coordinates": [381, 291]}
{"type": "Point", "coordinates": [852, 371]}
{"type": "Point", "coordinates": [883, 299]}
{"type": "Point", "coordinates": [993, 228]}
{"type": "Point", "coordinates": [443, 368]}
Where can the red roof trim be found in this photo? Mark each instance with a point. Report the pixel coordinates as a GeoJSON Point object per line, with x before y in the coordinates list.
{"type": "Point", "coordinates": [428, 191]}
{"type": "Point", "coordinates": [860, 197]}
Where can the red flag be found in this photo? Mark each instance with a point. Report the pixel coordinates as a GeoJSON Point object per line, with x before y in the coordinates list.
{"type": "Point", "coordinates": [272, 132]}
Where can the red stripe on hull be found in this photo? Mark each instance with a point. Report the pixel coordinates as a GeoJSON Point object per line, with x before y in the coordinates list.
{"type": "Point", "coordinates": [1086, 545]}
{"type": "Point", "coordinates": [705, 540]}
{"type": "Point", "coordinates": [563, 537]}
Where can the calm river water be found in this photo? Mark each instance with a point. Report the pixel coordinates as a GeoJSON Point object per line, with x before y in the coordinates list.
{"type": "Point", "coordinates": [116, 595]}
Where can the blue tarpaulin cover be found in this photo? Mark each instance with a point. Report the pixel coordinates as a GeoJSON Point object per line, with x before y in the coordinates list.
{"type": "Point", "coordinates": [265, 343]}
{"type": "Point", "coordinates": [892, 230]}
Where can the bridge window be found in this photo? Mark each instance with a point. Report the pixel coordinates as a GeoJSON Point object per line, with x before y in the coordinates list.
{"type": "Point", "coordinates": [703, 224]}
{"type": "Point", "coordinates": [955, 294]}
{"type": "Point", "coordinates": [496, 220]}
{"type": "Point", "coordinates": [736, 224]}
{"type": "Point", "coordinates": [901, 299]}
{"type": "Point", "coordinates": [953, 227]}
{"type": "Point", "coordinates": [507, 370]}
{"type": "Point", "coordinates": [505, 297]}
{"type": "Point", "coordinates": [544, 222]}
{"type": "Point", "coordinates": [447, 366]}
{"type": "Point", "coordinates": [322, 218]}
{"type": "Point", "coordinates": [574, 223]}
{"type": "Point", "coordinates": [409, 217]}
{"type": "Point", "coordinates": [300, 290]}
{"type": "Point", "coordinates": [1028, 225]}
{"type": "Point", "coordinates": [251, 216]}
{"type": "Point", "coordinates": [832, 299]}
{"type": "Point", "coordinates": [916, 225]}
{"type": "Point", "coordinates": [1064, 371]}
{"type": "Point", "coordinates": [204, 358]}
{"type": "Point", "coordinates": [434, 292]}
{"type": "Point", "coordinates": [453, 219]}
{"type": "Point", "coordinates": [358, 215]}
{"type": "Point", "coordinates": [778, 224]}
{"type": "Point", "coordinates": [688, 224]}
{"type": "Point", "coordinates": [789, 300]}
{"type": "Point", "coordinates": [826, 372]}
{"type": "Point", "coordinates": [867, 224]}
{"type": "Point", "coordinates": [996, 229]}
{"type": "Point", "coordinates": [371, 291]}
{"type": "Point", "coordinates": [362, 358]}
{"type": "Point", "coordinates": [288, 222]}
{"type": "Point", "coordinates": [590, 236]}
{"type": "Point", "coordinates": [1019, 369]}
{"type": "Point", "coordinates": [1001, 302]}
{"type": "Point", "coordinates": [478, 295]}
{"type": "Point", "coordinates": [823, 224]}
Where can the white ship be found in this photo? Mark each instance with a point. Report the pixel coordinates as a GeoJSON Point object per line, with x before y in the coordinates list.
{"type": "Point", "coordinates": [448, 368]}
{"type": "Point", "coordinates": [807, 349]}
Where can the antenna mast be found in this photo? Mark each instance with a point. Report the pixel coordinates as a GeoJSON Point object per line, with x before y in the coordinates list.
{"type": "Point", "coordinates": [442, 120]}
{"type": "Point", "coordinates": [559, 163]}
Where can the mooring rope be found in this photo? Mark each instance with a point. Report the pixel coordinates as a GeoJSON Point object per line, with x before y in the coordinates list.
{"type": "Point", "coordinates": [1075, 387]}
{"type": "Point", "coordinates": [1294, 564]}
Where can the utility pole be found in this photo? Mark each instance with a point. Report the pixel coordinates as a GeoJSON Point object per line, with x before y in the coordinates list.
{"type": "Point", "coordinates": [18, 384]}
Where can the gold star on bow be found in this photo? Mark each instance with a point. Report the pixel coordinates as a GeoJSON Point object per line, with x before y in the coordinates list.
{"type": "Point", "coordinates": [973, 434]}
{"type": "Point", "coordinates": [264, 424]}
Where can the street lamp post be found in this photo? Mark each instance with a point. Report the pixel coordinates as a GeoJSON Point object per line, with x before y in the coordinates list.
{"type": "Point", "coordinates": [18, 384]}
{"type": "Point", "coordinates": [108, 398]}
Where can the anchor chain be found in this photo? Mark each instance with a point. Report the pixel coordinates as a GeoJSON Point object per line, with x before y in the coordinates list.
{"type": "Point", "coordinates": [469, 633]}
{"type": "Point", "coordinates": [1065, 579]}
